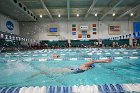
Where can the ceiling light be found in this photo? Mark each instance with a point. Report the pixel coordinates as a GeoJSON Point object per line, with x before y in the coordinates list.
{"type": "Point", "coordinates": [59, 15]}
{"type": "Point", "coordinates": [77, 15]}
{"type": "Point", "coordinates": [131, 14]}
{"type": "Point", "coordinates": [41, 16]}
{"type": "Point", "coordinates": [96, 14]}
{"type": "Point", "coordinates": [113, 14]}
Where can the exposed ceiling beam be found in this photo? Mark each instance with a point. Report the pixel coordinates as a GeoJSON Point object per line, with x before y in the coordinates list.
{"type": "Point", "coordinates": [58, 7]}
{"type": "Point", "coordinates": [128, 11]}
{"type": "Point", "coordinates": [28, 1]}
{"type": "Point", "coordinates": [68, 9]}
{"type": "Point", "coordinates": [90, 8]}
{"type": "Point", "coordinates": [138, 15]}
{"type": "Point", "coordinates": [111, 9]}
{"type": "Point", "coordinates": [44, 6]}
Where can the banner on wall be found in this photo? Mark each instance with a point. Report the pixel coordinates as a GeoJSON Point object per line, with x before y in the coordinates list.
{"type": "Point", "coordinates": [73, 25]}
{"type": "Point", "coordinates": [9, 25]}
{"type": "Point", "coordinates": [136, 27]}
{"type": "Point", "coordinates": [83, 27]}
{"type": "Point", "coordinates": [84, 32]}
{"type": "Point", "coordinates": [84, 35]}
{"type": "Point", "coordinates": [73, 33]}
{"type": "Point", "coordinates": [88, 36]}
{"type": "Point", "coordinates": [94, 25]}
{"type": "Point", "coordinates": [114, 29]}
{"type": "Point", "coordinates": [79, 35]}
{"type": "Point", "coordinates": [94, 29]}
{"type": "Point", "coordinates": [53, 30]}
{"type": "Point", "coordinates": [94, 33]}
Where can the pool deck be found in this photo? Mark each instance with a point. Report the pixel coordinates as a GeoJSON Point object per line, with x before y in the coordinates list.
{"type": "Point", "coordinates": [106, 88]}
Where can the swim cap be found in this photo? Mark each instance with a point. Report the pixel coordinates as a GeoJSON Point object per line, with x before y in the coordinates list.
{"type": "Point", "coordinates": [93, 65]}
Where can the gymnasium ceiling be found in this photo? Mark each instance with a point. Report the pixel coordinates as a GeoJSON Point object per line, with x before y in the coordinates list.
{"type": "Point", "coordinates": [22, 10]}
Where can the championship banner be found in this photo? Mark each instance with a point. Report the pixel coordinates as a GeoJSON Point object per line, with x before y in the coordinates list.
{"type": "Point", "coordinates": [114, 30]}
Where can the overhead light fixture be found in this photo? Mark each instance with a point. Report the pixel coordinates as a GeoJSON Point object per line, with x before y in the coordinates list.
{"type": "Point", "coordinates": [77, 15]}
{"type": "Point", "coordinates": [59, 15]}
{"type": "Point", "coordinates": [41, 16]}
{"type": "Point", "coordinates": [113, 14]}
{"type": "Point", "coordinates": [96, 14]}
{"type": "Point", "coordinates": [131, 14]}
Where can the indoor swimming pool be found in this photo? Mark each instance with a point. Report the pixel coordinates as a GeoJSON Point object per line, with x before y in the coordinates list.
{"type": "Point", "coordinates": [38, 68]}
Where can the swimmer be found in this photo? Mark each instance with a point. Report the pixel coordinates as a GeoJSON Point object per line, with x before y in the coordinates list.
{"type": "Point", "coordinates": [82, 68]}
{"type": "Point", "coordinates": [89, 65]}
{"type": "Point", "coordinates": [54, 56]}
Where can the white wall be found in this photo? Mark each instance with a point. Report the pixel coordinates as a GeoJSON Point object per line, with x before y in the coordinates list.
{"type": "Point", "coordinates": [37, 30]}
{"type": "Point", "coordinates": [3, 27]}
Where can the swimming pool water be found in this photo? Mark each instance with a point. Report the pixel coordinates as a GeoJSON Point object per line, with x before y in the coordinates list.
{"type": "Point", "coordinates": [37, 68]}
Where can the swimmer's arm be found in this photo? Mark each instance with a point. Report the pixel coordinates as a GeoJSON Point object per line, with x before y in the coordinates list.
{"type": "Point", "coordinates": [98, 61]}
{"type": "Point", "coordinates": [102, 61]}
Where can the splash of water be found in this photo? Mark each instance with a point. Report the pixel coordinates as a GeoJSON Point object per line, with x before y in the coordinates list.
{"type": "Point", "coordinates": [16, 67]}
